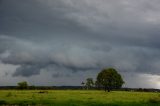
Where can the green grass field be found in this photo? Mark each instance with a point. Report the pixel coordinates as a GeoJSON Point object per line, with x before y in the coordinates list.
{"type": "Point", "coordinates": [78, 98]}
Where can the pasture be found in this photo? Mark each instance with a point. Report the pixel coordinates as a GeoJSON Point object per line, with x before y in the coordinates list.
{"type": "Point", "coordinates": [78, 98]}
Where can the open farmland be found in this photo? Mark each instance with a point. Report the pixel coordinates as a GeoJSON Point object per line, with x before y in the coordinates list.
{"type": "Point", "coordinates": [78, 98]}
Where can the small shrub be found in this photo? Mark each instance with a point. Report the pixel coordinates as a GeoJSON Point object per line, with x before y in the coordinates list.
{"type": "Point", "coordinates": [3, 102]}
{"type": "Point", "coordinates": [154, 100]}
{"type": "Point", "coordinates": [33, 96]}
{"type": "Point", "coordinates": [25, 103]}
{"type": "Point", "coordinates": [43, 92]}
{"type": "Point", "coordinates": [90, 98]}
{"type": "Point", "coordinates": [9, 94]}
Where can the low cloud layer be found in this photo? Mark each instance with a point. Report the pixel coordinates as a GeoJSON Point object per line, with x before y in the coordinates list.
{"type": "Point", "coordinates": [68, 37]}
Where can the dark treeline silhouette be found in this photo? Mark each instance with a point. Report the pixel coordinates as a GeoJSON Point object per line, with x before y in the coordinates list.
{"type": "Point", "coordinates": [78, 88]}
{"type": "Point", "coordinates": [42, 88]}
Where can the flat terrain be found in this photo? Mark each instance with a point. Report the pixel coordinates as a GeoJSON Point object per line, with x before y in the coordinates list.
{"type": "Point", "coordinates": [78, 98]}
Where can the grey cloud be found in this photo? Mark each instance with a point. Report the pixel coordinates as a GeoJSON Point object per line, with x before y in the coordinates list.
{"type": "Point", "coordinates": [126, 22]}
{"type": "Point", "coordinates": [33, 58]}
{"type": "Point", "coordinates": [56, 75]}
{"type": "Point", "coordinates": [27, 70]}
{"type": "Point", "coordinates": [26, 18]}
{"type": "Point", "coordinates": [80, 58]}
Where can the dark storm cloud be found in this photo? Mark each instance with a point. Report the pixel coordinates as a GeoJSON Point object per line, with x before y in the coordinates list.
{"type": "Point", "coordinates": [32, 60]}
{"type": "Point", "coordinates": [27, 70]}
{"type": "Point", "coordinates": [80, 35]}
{"type": "Point", "coordinates": [26, 19]}
{"type": "Point", "coordinates": [32, 57]}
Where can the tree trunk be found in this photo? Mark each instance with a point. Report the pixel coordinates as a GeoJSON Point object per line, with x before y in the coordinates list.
{"type": "Point", "coordinates": [108, 88]}
{"type": "Point", "coordinates": [105, 88]}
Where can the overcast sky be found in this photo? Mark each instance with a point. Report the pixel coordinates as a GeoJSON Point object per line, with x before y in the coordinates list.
{"type": "Point", "coordinates": [63, 42]}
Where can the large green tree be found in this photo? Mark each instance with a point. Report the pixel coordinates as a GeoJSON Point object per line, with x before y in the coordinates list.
{"type": "Point", "coordinates": [22, 85]}
{"type": "Point", "coordinates": [89, 83]}
{"type": "Point", "coordinates": [110, 79]}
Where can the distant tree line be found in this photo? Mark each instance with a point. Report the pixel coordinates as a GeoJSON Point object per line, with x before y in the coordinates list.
{"type": "Point", "coordinates": [78, 88]}
{"type": "Point", "coordinates": [108, 79]}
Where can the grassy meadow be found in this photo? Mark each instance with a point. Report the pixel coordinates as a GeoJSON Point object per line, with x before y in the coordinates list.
{"type": "Point", "coordinates": [78, 98]}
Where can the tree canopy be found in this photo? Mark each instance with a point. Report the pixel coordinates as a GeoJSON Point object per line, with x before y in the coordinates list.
{"type": "Point", "coordinates": [109, 79]}
{"type": "Point", "coordinates": [89, 83]}
{"type": "Point", "coordinates": [22, 85]}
